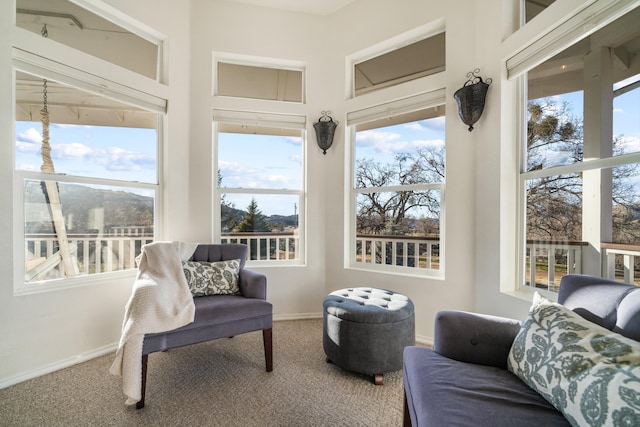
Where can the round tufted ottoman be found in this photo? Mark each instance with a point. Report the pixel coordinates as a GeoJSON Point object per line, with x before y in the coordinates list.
{"type": "Point", "coordinates": [366, 330]}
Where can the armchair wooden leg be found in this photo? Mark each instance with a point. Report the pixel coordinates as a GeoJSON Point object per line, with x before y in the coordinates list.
{"type": "Point", "coordinates": [145, 359]}
{"type": "Point", "coordinates": [268, 348]}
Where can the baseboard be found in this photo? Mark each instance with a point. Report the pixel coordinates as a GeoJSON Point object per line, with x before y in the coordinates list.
{"type": "Point", "coordinates": [297, 316]}
{"type": "Point", "coordinates": [427, 341]}
{"type": "Point", "coordinates": [56, 366]}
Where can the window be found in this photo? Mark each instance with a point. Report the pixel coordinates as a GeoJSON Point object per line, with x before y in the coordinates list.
{"type": "Point", "coordinates": [418, 59]}
{"type": "Point", "coordinates": [258, 78]}
{"type": "Point", "coordinates": [580, 172]}
{"type": "Point", "coordinates": [260, 191]}
{"type": "Point", "coordinates": [86, 29]}
{"type": "Point", "coordinates": [402, 60]}
{"type": "Point", "coordinates": [87, 166]}
{"type": "Point", "coordinates": [398, 190]}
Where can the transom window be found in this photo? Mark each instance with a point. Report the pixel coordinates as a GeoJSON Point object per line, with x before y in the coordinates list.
{"type": "Point", "coordinates": [86, 29]}
{"type": "Point", "coordinates": [415, 60]}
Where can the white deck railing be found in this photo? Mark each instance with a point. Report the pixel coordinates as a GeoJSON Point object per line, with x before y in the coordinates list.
{"type": "Point", "coordinates": [547, 253]}
{"type": "Point", "coordinates": [611, 262]}
{"type": "Point", "coordinates": [399, 251]}
{"type": "Point", "coordinates": [91, 254]}
{"type": "Point", "coordinates": [267, 246]}
{"type": "Point", "coordinates": [546, 261]}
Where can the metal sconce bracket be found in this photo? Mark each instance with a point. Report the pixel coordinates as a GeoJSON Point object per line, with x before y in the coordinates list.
{"type": "Point", "coordinates": [325, 129]}
{"type": "Point", "coordinates": [471, 97]}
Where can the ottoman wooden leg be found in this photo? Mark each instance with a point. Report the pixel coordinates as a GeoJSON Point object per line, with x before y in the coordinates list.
{"type": "Point", "coordinates": [377, 379]}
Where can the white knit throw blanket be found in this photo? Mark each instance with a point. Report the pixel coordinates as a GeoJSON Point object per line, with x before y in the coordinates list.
{"type": "Point", "coordinates": [160, 301]}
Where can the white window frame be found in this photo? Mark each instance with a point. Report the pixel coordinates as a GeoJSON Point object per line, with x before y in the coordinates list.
{"type": "Point", "coordinates": [74, 76]}
{"type": "Point", "coordinates": [274, 120]}
{"type": "Point", "coordinates": [406, 105]}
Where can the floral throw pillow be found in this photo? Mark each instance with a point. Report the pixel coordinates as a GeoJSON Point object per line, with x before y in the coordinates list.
{"type": "Point", "coordinates": [225, 275]}
{"type": "Point", "coordinates": [212, 278]}
{"type": "Point", "coordinates": [198, 275]}
{"type": "Point", "coordinates": [590, 374]}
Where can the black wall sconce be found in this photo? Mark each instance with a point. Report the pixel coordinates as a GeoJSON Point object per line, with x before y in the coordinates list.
{"type": "Point", "coordinates": [471, 97]}
{"type": "Point", "coordinates": [325, 129]}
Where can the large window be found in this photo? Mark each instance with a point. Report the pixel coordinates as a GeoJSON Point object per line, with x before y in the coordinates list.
{"type": "Point", "coordinates": [87, 166]}
{"type": "Point", "coordinates": [580, 172]}
{"type": "Point", "coordinates": [260, 191]}
{"type": "Point", "coordinates": [398, 192]}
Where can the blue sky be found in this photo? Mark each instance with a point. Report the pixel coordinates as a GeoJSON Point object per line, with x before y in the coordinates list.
{"type": "Point", "coordinates": [626, 120]}
{"type": "Point", "coordinates": [90, 151]}
{"type": "Point", "coordinates": [249, 161]}
{"type": "Point", "coordinates": [383, 144]}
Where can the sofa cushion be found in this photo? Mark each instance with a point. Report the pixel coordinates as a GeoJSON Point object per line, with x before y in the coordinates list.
{"type": "Point", "coordinates": [586, 371]}
{"type": "Point", "coordinates": [212, 278]}
{"type": "Point", "coordinates": [445, 392]}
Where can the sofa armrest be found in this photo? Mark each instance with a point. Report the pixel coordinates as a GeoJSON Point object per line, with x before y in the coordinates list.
{"type": "Point", "coordinates": [253, 284]}
{"type": "Point", "coordinates": [474, 338]}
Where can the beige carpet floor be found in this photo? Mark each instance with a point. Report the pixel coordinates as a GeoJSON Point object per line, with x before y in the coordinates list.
{"type": "Point", "coordinates": [219, 383]}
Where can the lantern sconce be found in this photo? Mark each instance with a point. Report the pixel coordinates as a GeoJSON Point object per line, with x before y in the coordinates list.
{"type": "Point", "coordinates": [471, 97]}
{"type": "Point", "coordinates": [325, 129]}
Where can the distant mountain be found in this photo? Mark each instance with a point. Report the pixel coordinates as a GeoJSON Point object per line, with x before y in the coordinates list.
{"type": "Point", "coordinates": [288, 220]}
{"type": "Point", "coordinates": [89, 210]}
{"type": "Point", "coordinates": [86, 209]}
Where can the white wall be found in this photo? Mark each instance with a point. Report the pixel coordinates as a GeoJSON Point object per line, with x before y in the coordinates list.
{"type": "Point", "coordinates": [44, 331]}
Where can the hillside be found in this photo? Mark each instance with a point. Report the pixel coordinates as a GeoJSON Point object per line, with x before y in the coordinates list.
{"type": "Point", "coordinates": [93, 210]}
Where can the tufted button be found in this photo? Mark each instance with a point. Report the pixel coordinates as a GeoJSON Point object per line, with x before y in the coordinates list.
{"type": "Point", "coordinates": [474, 341]}
{"type": "Point", "coordinates": [368, 305]}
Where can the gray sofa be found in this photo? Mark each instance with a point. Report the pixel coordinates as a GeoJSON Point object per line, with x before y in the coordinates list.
{"type": "Point", "coordinates": [464, 380]}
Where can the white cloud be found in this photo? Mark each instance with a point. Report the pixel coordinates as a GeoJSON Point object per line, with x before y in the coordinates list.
{"type": "Point", "coordinates": [30, 135]}
{"type": "Point", "coordinates": [415, 126]}
{"type": "Point", "coordinates": [27, 147]}
{"type": "Point", "coordinates": [295, 140]}
{"type": "Point", "coordinates": [382, 142]}
{"type": "Point", "coordinates": [74, 150]}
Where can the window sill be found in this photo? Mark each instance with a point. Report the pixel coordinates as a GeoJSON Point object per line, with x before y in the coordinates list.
{"type": "Point", "coordinates": [22, 288]}
{"type": "Point", "coordinates": [422, 274]}
{"type": "Point", "coordinates": [525, 293]}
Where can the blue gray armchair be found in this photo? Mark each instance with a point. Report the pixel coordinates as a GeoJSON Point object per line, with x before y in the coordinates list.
{"type": "Point", "coordinates": [220, 316]}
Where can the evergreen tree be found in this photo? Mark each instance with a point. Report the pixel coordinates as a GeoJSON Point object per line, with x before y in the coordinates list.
{"type": "Point", "coordinates": [253, 220]}
{"type": "Point", "coordinates": [228, 212]}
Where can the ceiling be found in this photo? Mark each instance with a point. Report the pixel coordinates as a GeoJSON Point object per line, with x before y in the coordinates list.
{"type": "Point", "coordinates": [314, 7]}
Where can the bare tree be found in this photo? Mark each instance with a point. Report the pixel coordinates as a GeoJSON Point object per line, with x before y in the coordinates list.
{"type": "Point", "coordinates": [554, 203]}
{"type": "Point", "coordinates": [388, 212]}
